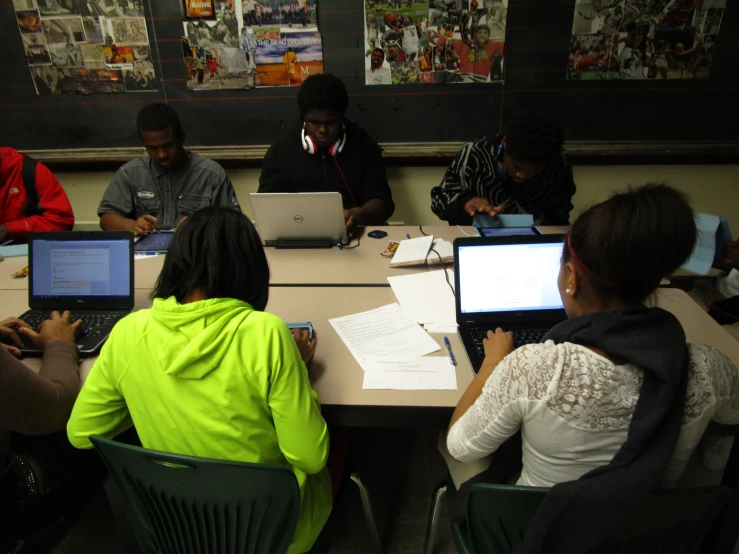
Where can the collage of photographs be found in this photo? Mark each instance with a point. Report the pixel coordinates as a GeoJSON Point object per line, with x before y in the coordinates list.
{"type": "Point", "coordinates": [441, 41]}
{"type": "Point", "coordinates": [86, 47]}
{"type": "Point", "coordinates": [644, 39]}
{"type": "Point", "coordinates": [241, 44]}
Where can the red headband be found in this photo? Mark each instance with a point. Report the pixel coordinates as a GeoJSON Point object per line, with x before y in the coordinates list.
{"type": "Point", "coordinates": [585, 268]}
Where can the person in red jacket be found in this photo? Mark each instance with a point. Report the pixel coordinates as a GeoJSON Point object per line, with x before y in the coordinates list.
{"type": "Point", "coordinates": [19, 215]}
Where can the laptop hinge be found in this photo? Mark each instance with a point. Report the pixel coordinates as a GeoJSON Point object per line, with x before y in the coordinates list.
{"type": "Point", "coordinates": [302, 243]}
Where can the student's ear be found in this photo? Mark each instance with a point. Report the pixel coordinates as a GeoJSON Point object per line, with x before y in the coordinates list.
{"type": "Point", "coordinates": [573, 279]}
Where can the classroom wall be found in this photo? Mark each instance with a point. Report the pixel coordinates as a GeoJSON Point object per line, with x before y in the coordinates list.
{"type": "Point", "coordinates": [712, 188]}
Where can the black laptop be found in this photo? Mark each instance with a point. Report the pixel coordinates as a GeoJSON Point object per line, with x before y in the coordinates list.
{"type": "Point", "coordinates": [507, 282]}
{"type": "Point", "coordinates": [88, 273]}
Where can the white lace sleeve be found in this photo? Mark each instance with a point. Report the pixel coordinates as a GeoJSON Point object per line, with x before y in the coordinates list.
{"type": "Point", "coordinates": [496, 415]}
{"type": "Point", "coordinates": [725, 382]}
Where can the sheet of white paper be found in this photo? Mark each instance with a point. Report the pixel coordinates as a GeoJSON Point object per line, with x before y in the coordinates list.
{"type": "Point", "coordinates": [703, 255]}
{"type": "Point", "coordinates": [142, 256]}
{"type": "Point", "coordinates": [425, 296]}
{"type": "Point", "coordinates": [412, 251]}
{"type": "Point", "coordinates": [385, 331]}
{"type": "Point", "coordinates": [432, 373]}
{"type": "Point", "coordinates": [443, 324]}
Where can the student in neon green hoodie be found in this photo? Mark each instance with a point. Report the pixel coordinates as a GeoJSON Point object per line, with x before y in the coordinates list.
{"type": "Point", "coordinates": [206, 372]}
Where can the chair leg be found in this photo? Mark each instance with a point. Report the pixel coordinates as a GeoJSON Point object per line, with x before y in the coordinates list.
{"type": "Point", "coordinates": [429, 544]}
{"type": "Point", "coordinates": [368, 514]}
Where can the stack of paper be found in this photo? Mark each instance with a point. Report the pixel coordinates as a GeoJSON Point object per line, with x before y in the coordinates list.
{"type": "Point", "coordinates": [430, 373]}
{"type": "Point", "coordinates": [442, 251]}
{"type": "Point", "coordinates": [385, 331]}
{"type": "Point", "coordinates": [412, 251]}
{"type": "Point", "coordinates": [428, 299]}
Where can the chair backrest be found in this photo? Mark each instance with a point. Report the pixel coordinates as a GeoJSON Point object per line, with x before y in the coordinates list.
{"type": "Point", "coordinates": [187, 505]}
{"type": "Point", "coordinates": [673, 521]}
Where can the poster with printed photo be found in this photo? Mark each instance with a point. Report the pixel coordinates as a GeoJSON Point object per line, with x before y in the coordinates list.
{"type": "Point", "coordinates": [93, 56]}
{"type": "Point", "coordinates": [61, 30]}
{"type": "Point", "coordinates": [442, 41]}
{"type": "Point", "coordinates": [20, 5]}
{"type": "Point", "coordinates": [215, 67]}
{"type": "Point", "coordinates": [93, 30]}
{"type": "Point", "coordinates": [196, 9]}
{"type": "Point", "coordinates": [649, 39]}
{"type": "Point", "coordinates": [253, 44]}
{"type": "Point", "coordinates": [37, 51]}
{"type": "Point", "coordinates": [98, 81]}
{"type": "Point", "coordinates": [285, 57]}
{"type": "Point", "coordinates": [29, 21]}
{"type": "Point", "coordinates": [84, 46]}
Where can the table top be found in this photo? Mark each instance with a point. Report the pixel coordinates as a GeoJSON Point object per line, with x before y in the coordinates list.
{"type": "Point", "coordinates": [336, 375]}
{"type": "Point", "coordinates": [361, 266]}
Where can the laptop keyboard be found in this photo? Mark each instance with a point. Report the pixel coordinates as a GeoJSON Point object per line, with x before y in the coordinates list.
{"type": "Point", "coordinates": [520, 337]}
{"type": "Point", "coordinates": [94, 323]}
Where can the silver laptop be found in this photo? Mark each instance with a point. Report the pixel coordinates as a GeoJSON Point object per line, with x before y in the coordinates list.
{"type": "Point", "coordinates": [299, 219]}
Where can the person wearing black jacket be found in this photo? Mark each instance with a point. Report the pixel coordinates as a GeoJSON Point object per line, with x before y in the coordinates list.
{"type": "Point", "coordinates": [328, 153]}
{"type": "Point", "coordinates": [523, 171]}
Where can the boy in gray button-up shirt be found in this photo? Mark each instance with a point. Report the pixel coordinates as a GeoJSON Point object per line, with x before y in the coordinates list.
{"type": "Point", "coordinates": [157, 192]}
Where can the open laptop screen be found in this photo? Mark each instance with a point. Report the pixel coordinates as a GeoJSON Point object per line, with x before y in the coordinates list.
{"type": "Point", "coordinates": [509, 277]}
{"type": "Point", "coordinates": [81, 268]}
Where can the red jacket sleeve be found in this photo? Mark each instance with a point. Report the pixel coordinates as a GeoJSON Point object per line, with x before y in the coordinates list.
{"type": "Point", "coordinates": [57, 214]}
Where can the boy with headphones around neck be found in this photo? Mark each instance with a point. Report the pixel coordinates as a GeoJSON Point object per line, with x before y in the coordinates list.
{"type": "Point", "coordinates": [327, 153]}
{"type": "Point", "coordinates": [523, 171]}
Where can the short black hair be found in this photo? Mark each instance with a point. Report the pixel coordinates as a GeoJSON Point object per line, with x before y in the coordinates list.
{"type": "Point", "coordinates": [633, 240]}
{"type": "Point", "coordinates": [323, 91]}
{"type": "Point", "coordinates": [157, 117]}
{"type": "Point", "coordinates": [533, 138]}
{"type": "Point", "coordinates": [219, 251]}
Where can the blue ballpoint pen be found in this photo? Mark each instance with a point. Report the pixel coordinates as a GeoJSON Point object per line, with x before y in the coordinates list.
{"type": "Point", "coordinates": [449, 348]}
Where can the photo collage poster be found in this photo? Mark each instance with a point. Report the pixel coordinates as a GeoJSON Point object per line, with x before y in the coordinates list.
{"type": "Point", "coordinates": [86, 46]}
{"type": "Point", "coordinates": [248, 44]}
{"type": "Point", "coordinates": [644, 39]}
{"type": "Point", "coordinates": [441, 41]}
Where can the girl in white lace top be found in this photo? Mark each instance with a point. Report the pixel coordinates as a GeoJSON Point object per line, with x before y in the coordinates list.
{"type": "Point", "coordinates": [574, 407]}
{"type": "Point", "coordinates": [574, 398]}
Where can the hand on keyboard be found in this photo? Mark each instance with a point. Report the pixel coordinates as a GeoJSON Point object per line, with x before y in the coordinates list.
{"type": "Point", "coordinates": [9, 329]}
{"type": "Point", "coordinates": [498, 344]}
{"type": "Point", "coordinates": [58, 327]}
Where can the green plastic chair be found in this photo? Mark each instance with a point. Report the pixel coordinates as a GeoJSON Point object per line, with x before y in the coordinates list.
{"type": "Point", "coordinates": [186, 505]}
{"type": "Point", "coordinates": [673, 522]}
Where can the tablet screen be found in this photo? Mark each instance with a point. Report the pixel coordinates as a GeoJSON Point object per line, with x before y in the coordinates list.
{"type": "Point", "coordinates": [155, 242]}
{"type": "Point", "coordinates": [505, 231]}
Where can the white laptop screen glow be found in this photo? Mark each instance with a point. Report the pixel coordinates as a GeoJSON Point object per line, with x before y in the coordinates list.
{"type": "Point", "coordinates": [81, 268]}
{"type": "Point", "coordinates": [510, 277]}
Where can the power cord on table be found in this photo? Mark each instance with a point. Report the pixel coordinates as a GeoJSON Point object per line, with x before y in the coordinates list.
{"type": "Point", "coordinates": [446, 275]}
{"type": "Point", "coordinates": [342, 247]}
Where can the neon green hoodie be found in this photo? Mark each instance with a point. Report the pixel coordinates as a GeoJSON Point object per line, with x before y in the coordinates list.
{"type": "Point", "coordinates": [215, 379]}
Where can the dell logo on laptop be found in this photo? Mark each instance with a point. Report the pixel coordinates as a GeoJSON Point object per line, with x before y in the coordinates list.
{"type": "Point", "coordinates": [298, 218]}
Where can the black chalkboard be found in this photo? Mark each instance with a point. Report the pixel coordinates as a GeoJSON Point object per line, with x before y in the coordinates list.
{"type": "Point", "coordinates": [536, 58]}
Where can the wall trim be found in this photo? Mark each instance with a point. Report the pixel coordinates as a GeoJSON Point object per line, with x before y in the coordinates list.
{"type": "Point", "coordinates": [415, 150]}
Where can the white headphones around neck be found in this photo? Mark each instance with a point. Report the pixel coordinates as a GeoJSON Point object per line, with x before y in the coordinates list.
{"type": "Point", "coordinates": [310, 146]}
